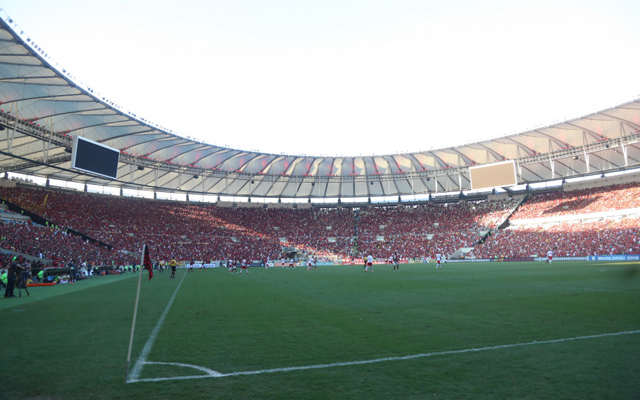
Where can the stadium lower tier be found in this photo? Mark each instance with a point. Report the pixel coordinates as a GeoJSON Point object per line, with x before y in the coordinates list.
{"type": "Point", "coordinates": [186, 231]}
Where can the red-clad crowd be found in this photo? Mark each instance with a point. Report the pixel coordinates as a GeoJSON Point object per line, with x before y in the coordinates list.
{"type": "Point", "coordinates": [582, 201]}
{"type": "Point", "coordinates": [433, 228]}
{"type": "Point", "coordinates": [50, 243]}
{"type": "Point", "coordinates": [568, 239]}
{"type": "Point", "coordinates": [188, 231]}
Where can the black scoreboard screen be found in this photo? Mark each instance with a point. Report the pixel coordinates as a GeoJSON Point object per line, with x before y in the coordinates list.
{"type": "Point", "coordinates": [94, 158]}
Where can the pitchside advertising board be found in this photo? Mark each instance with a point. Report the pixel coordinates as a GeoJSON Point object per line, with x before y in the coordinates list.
{"type": "Point", "coordinates": [94, 158]}
{"type": "Point", "coordinates": [630, 257]}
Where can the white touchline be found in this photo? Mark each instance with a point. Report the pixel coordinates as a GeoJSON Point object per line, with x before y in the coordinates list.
{"type": "Point", "coordinates": [214, 374]}
{"type": "Point", "coordinates": [142, 359]}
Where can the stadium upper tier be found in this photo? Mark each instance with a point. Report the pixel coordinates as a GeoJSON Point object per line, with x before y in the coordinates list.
{"type": "Point", "coordinates": [43, 108]}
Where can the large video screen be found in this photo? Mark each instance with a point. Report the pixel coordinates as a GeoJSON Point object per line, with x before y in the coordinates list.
{"type": "Point", "coordinates": [94, 158]}
{"type": "Point", "coordinates": [493, 175]}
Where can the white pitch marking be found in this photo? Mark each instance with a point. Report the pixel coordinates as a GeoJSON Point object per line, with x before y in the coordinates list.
{"type": "Point", "coordinates": [377, 360]}
{"type": "Point", "coordinates": [206, 370]}
{"type": "Point", "coordinates": [142, 359]}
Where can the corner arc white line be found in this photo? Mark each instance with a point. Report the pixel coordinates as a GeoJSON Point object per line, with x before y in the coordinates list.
{"type": "Point", "coordinates": [206, 370]}
{"type": "Point", "coordinates": [142, 359]}
{"type": "Point", "coordinates": [378, 360]}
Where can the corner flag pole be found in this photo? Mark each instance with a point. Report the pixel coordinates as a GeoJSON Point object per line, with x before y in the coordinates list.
{"type": "Point", "coordinates": [135, 312]}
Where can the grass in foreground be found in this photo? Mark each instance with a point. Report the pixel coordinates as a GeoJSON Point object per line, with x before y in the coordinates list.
{"type": "Point", "coordinates": [74, 345]}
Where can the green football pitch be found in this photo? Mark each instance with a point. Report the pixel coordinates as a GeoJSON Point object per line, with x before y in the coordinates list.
{"type": "Point", "coordinates": [569, 330]}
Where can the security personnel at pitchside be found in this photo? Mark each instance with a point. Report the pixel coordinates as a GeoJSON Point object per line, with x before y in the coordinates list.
{"type": "Point", "coordinates": [11, 279]}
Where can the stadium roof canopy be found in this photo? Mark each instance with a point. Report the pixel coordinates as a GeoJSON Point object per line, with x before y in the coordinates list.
{"type": "Point", "coordinates": [43, 108]}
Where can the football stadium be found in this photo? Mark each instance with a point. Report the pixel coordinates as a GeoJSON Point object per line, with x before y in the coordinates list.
{"type": "Point", "coordinates": [138, 262]}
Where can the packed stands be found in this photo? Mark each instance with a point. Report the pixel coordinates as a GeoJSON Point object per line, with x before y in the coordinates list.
{"type": "Point", "coordinates": [50, 243]}
{"type": "Point", "coordinates": [583, 201]}
{"type": "Point", "coordinates": [568, 239]}
{"type": "Point", "coordinates": [198, 231]}
{"type": "Point", "coordinates": [417, 231]}
{"type": "Point", "coordinates": [189, 231]}
{"type": "Point", "coordinates": [577, 235]}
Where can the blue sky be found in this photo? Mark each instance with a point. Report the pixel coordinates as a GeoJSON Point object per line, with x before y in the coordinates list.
{"type": "Point", "coordinates": [345, 77]}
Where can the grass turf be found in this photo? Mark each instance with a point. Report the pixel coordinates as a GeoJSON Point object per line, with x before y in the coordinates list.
{"type": "Point", "coordinates": [72, 342]}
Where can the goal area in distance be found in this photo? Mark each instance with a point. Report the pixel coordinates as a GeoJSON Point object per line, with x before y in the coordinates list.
{"type": "Point", "coordinates": [493, 175]}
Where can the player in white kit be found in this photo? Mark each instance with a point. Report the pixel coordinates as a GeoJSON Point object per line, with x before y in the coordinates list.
{"type": "Point", "coordinates": [310, 263]}
{"type": "Point", "coordinates": [369, 263]}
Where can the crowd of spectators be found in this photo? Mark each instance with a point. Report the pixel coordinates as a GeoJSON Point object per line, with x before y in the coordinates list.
{"type": "Point", "coordinates": [194, 231]}
{"type": "Point", "coordinates": [186, 231]}
{"type": "Point", "coordinates": [55, 244]}
{"type": "Point", "coordinates": [565, 240]}
{"type": "Point", "coordinates": [607, 237]}
{"type": "Point", "coordinates": [421, 230]}
{"type": "Point", "coordinates": [582, 201]}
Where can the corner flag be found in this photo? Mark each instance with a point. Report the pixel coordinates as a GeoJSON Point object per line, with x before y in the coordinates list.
{"type": "Point", "coordinates": [147, 262]}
